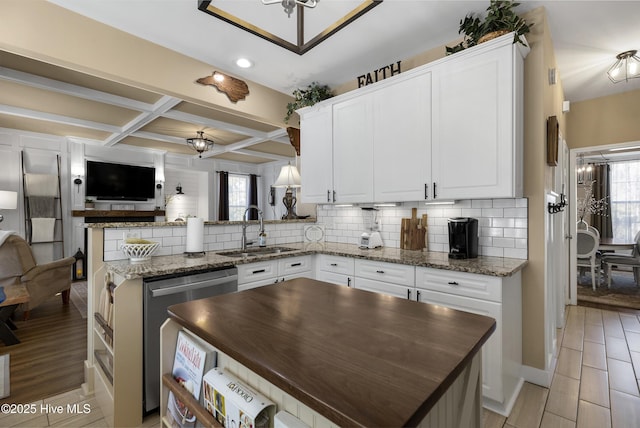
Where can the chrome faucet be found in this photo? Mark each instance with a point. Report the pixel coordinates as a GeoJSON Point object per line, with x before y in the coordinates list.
{"type": "Point", "coordinates": [244, 242]}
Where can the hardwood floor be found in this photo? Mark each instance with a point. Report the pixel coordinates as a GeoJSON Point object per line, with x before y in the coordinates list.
{"type": "Point", "coordinates": [50, 356]}
{"type": "Point", "coordinates": [595, 382]}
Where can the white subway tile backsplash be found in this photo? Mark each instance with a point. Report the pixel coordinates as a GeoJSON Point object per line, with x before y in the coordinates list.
{"type": "Point", "coordinates": [502, 224]}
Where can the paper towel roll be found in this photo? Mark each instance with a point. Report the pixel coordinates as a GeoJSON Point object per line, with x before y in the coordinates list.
{"type": "Point", "coordinates": [195, 235]}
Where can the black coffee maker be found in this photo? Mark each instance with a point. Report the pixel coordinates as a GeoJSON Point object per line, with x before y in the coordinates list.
{"type": "Point", "coordinates": [463, 238]}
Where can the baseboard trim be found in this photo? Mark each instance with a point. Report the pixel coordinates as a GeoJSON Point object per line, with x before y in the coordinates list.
{"type": "Point", "coordinates": [538, 376]}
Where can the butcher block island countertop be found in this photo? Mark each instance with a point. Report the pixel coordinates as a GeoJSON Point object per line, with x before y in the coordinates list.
{"type": "Point", "coordinates": [354, 357]}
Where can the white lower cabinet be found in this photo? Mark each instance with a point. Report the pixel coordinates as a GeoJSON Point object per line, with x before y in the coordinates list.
{"type": "Point", "coordinates": [386, 278]}
{"type": "Point", "coordinates": [495, 297]}
{"type": "Point", "coordinates": [335, 269]}
{"type": "Point", "coordinates": [267, 272]}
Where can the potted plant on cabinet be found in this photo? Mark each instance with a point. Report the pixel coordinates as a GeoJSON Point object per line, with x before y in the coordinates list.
{"type": "Point", "coordinates": [313, 94]}
{"type": "Point", "coordinates": [500, 19]}
{"type": "Point", "coordinates": [89, 204]}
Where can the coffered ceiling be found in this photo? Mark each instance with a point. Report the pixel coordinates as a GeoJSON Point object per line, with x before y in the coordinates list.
{"type": "Point", "coordinates": [39, 97]}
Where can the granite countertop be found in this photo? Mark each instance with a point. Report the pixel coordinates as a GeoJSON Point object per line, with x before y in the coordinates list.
{"type": "Point", "coordinates": [176, 264]}
{"type": "Point", "coordinates": [118, 225]}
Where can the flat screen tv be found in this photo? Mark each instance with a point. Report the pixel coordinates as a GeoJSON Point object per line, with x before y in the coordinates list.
{"type": "Point", "coordinates": [113, 181]}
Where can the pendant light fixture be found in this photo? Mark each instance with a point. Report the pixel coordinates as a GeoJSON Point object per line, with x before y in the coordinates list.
{"type": "Point", "coordinates": [200, 143]}
{"type": "Point", "coordinates": [626, 67]}
{"type": "Point", "coordinates": [584, 171]}
{"type": "Point", "coordinates": [289, 5]}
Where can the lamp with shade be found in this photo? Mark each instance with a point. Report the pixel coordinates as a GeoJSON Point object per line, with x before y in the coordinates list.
{"type": "Point", "coordinates": [8, 201]}
{"type": "Point", "coordinates": [289, 177]}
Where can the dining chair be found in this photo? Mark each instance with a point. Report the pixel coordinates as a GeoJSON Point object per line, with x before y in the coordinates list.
{"type": "Point", "coordinates": [632, 260]}
{"type": "Point", "coordinates": [588, 243]}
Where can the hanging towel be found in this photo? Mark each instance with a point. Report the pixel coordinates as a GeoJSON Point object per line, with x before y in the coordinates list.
{"type": "Point", "coordinates": [42, 206]}
{"type": "Point", "coordinates": [41, 185]}
{"type": "Point", "coordinates": [43, 253]}
{"type": "Point", "coordinates": [42, 229]}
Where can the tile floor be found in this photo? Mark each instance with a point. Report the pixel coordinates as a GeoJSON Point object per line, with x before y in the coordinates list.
{"type": "Point", "coordinates": [595, 384]}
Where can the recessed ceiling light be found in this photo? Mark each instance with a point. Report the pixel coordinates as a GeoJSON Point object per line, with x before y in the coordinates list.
{"type": "Point", "coordinates": [243, 63]}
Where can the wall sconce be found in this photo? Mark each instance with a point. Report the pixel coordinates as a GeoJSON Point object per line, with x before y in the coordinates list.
{"type": "Point", "coordinates": [78, 182]}
{"type": "Point", "coordinates": [179, 189]}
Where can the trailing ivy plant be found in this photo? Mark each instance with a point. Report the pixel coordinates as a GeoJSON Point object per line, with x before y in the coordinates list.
{"type": "Point", "coordinates": [313, 94]}
{"type": "Point", "coordinates": [500, 16]}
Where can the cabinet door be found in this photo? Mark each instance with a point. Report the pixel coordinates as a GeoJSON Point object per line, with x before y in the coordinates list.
{"type": "Point", "coordinates": [335, 278]}
{"type": "Point", "coordinates": [353, 150]}
{"type": "Point", "coordinates": [402, 140]}
{"type": "Point", "coordinates": [335, 264]}
{"type": "Point", "coordinates": [386, 288]}
{"type": "Point", "coordinates": [316, 155]}
{"type": "Point", "coordinates": [492, 379]}
{"type": "Point", "coordinates": [466, 284]}
{"type": "Point", "coordinates": [474, 117]}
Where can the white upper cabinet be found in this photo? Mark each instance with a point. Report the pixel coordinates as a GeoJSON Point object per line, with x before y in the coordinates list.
{"type": "Point", "coordinates": [451, 129]}
{"type": "Point", "coordinates": [316, 154]}
{"type": "Point", "coordinates": [353, 149]}
{"type": "Point", "coordinates": [477, 113]}
{"type": "Point", "coordinates": [402, 140]}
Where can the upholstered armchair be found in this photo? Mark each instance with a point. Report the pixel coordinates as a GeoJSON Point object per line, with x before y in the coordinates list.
{"type": "Point", "coordinates": [18, 265]}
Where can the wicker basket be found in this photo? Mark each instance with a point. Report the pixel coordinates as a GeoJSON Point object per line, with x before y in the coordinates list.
{"type": "Point", "coordinates": [492, 35]}
{"type": "Point", "coordinates": [139, 252]}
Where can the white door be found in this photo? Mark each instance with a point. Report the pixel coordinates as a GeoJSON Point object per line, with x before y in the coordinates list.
{"type": "Point", "coordinates": [474, 114]}
{"type": "Point", "coordinates": [402, 140]}
{"type": "Point", "coordinates": [316, 156]}
{"type": "Point", "coordinates": [353, 150]}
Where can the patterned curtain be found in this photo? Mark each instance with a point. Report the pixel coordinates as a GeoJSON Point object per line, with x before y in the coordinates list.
{"type": "Point", "coordinates": [253, 196]}
{"type": "Point", "coordinates": [602, 189]}
{"type": "Point", "coordinates": [223, 202]}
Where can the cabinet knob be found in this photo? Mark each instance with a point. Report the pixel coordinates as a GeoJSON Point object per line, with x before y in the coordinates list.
{"type": "Point", "coordinates": [334, 264]}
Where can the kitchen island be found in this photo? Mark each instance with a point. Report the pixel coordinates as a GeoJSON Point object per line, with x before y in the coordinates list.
{"type": "Point", "coordinates": [353, 358]}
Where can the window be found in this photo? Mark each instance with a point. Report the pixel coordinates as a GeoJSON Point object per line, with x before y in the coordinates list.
{"type": "Point", "coordinates": [238, 196]}
{"type": "Point", "coordinates": [625, 199]}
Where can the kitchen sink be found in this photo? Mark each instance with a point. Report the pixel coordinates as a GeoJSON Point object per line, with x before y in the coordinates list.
{"type": "Point", "coordinates": [254, 252]}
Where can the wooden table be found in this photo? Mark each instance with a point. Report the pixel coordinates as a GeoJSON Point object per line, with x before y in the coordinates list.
{"type": "Point", "coordinates": [615, 244]}
{"type": "Point", "coordinates": [355, 357]}
{"type": "Point", "coordinates": [16, 294]}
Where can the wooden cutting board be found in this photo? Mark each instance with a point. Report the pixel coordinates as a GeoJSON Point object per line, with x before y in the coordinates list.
{"type": "Point", "coordinates": [413, 231]}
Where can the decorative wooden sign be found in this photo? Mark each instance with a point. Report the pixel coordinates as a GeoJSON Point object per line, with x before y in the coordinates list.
{"type": "Point", "coordinates": [552, 140]}
{"type": "Point", "coordinates": [234, 89]}
{"type": "Point", "coordinates": [379, 74]}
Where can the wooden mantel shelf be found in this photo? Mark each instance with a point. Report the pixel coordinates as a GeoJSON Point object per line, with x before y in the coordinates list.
{"type": "Point", "coordinates": [117, 213]}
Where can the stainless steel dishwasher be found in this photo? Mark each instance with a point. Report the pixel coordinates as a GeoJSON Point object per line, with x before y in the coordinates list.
{"type": "Point", "coordinates": [159, 294]}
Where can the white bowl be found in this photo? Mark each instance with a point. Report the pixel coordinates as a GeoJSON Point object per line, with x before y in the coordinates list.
{"type": "Point", "coordinates": [139, 252]}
